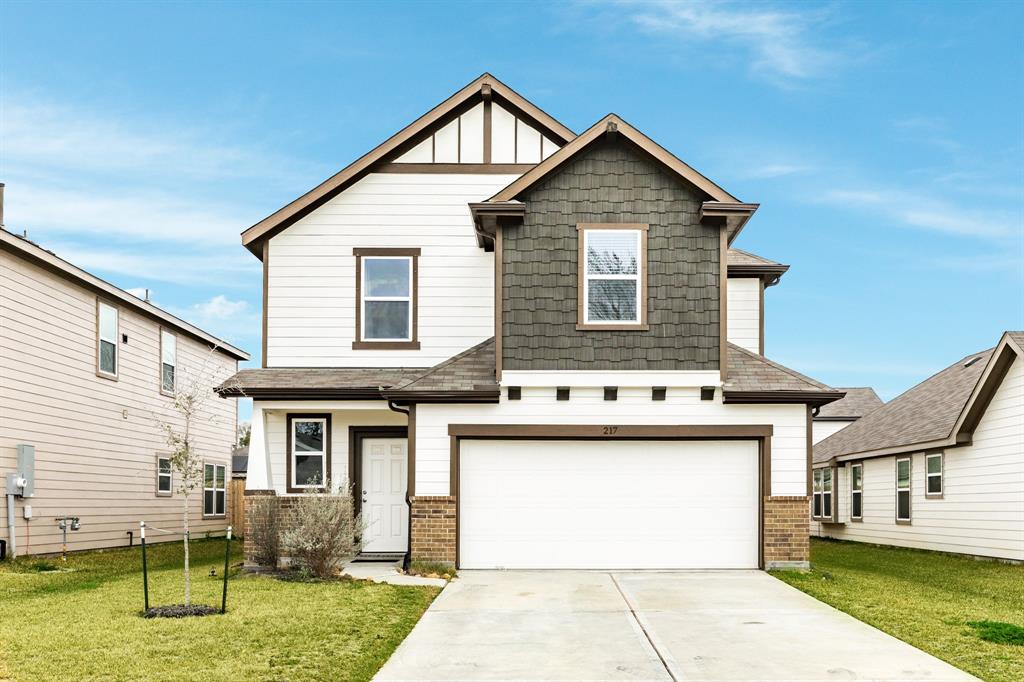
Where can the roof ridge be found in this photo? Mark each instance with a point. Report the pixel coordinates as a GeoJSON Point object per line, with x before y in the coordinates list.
{"type": "Point", "coordinates": [445, 363]}
{"type": "Point", "coordinates": [783, 368]}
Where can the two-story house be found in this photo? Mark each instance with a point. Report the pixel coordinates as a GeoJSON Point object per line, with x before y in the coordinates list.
{"type": "Point", "coordinates": [88, 376]}
{"type": "Point", "coordinates": [528, 348]}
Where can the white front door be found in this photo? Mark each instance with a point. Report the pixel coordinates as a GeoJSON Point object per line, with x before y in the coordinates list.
{"type": "Point", "coordinates": [385, 512]}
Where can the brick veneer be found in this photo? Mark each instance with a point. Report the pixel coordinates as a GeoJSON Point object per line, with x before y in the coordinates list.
{"type": "Point", "coordinates": [433, 528]}
{"type": "Point", "coordinates": [786, 537]}
{"type": "Point", "coordinates": [247, 538]}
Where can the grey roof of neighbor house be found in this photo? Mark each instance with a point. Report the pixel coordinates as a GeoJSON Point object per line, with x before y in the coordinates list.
{"type": "Point", "coordinates": [859, 401]}
{"type": "Point", "coordinates": [240, 460]}
{"type": "Point", "coordinates": [924, 413]}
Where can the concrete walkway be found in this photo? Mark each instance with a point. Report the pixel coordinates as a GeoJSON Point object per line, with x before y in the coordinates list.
{"type": "Point", "coordinates": [583, 625]}
{"type": "Point", "coordinates": [387, 572]}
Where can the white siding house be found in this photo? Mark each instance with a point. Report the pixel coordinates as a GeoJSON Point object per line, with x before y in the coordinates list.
{"type": "Point", "coordinates": [962, 432]}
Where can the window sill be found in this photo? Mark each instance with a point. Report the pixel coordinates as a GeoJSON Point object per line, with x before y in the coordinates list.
{"type": "Point", "coordinates": [164, 494]}
{"type": "Point", "coordinates": [904, 522]}
{"type": "Point", "coordinates": [166, 393]}
{"type": "Point", "coordinates": [933, 496]}
{"type": "Point", "coordinates": [104, 375]}
{"type": "Point", "coordinates": [215, 516]}
{"type": "Point", "coordinates": [583, 326]}
{"type": "Point", "coordinates": [385, 345]}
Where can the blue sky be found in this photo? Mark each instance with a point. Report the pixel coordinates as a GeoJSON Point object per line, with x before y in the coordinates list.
{"type": "Point", "coordinates": [884, 141]}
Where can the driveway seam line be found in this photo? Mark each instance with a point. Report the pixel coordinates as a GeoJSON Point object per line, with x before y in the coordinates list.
{"type": "Point", "coordinates": [640, 624]}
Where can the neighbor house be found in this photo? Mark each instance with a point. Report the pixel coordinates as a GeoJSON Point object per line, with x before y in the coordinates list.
{"type": "Point", "coordinates": [528, 348]}
{"type": "Point", "coordinates": [87, 373]}
{"type": "Point", "coordinates": [939, 467]}
{"type": "Point", "coordinates": [837, 416]}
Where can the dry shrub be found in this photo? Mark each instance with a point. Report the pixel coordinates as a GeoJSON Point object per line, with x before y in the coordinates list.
{"type": "Point", "coordinates": [265, 530]}
{"type": "Point", "coordinates": [323, 532]}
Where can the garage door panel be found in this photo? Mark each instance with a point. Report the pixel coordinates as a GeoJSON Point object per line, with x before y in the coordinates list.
{"type": "Point", "coordinates": [608, 504]}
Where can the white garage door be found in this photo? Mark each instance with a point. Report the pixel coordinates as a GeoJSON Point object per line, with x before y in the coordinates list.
{"type": "Point", "coordinates": [608, 504]}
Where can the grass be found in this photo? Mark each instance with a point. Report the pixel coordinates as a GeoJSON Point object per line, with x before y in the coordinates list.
{"type": "Point", "coordinates": [83, 621]}
{"type": "Point", "coordinates": [431, 569]}
{"type": "Point", "coordinates": [967, 612]}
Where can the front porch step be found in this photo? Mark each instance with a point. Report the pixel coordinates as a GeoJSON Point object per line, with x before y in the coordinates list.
{"type": "Point", "coordinates": [380, 557]}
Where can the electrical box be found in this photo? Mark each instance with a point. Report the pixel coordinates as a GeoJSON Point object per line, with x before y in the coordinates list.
{"type": "Point", "coordinates": [26, 511]}
{"type": "Point", "coordinates": [27, 468]}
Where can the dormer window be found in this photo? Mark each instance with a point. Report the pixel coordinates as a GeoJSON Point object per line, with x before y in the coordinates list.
{"type": "Point", "coordinates": [612, 276]}
{"type": "Point", "coordinates": [386, 304]}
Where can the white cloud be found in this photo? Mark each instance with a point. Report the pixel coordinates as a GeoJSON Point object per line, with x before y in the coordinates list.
{"type": "Point", "coordinates": [774, 170]}
{"type": "Point", "coordinates": [779, 41]}
{"type": "Point", "coordinates": [219, 307]}
{"type": "Point", "coordinates": [234, 320]}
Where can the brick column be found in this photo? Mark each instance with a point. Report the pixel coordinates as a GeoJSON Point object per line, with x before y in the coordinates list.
{"type": "Point", "coordinates": [433, 529]}
{"type": "Point", "coordinates": [247, 543]}
{"type": "Point", "coordinates": [786, 536]}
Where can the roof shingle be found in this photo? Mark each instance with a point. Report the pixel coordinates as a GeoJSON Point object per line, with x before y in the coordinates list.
{"type": "Point", "coordinates": [858, 402]}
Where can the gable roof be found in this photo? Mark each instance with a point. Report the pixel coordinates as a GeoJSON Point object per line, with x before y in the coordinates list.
{"type": "Point", "coordinates": [745, 264]}
{"type": "Point", "coordinates": [858, 402]}
{"type": "Point", "coordinates": [721, 204]}
{"type": "Point", "coordinates": [754, 378]}
{"type": "Point", "coordinates": [486, 85]}
{"type": "Point", "coordinates": [941, 411]}
{"type": "Point", "coordinates": [23, 248]}
{"type": "Point", "coordinates": [471, 371]}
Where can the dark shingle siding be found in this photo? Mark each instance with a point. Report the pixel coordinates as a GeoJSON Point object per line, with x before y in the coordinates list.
{"type": "Point", "coordinates": [610, 183]}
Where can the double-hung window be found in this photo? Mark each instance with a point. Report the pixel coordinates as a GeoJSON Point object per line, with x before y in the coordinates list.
{"type": "Point", "coordinates": [816, 508]}
{"type": "Point", "coordinates": [214, 489]}
{"type": "Point", "coordinates": [309, 451]}
{"type": "Point", "coordinates": [106, 340]}
{"type": "Point", "coordinates": [168, 362]}
{"type": "Point", "coordinates": [903, 490]}
{"type": "Point", "coordinates": [822, 494]}
{"type": "Point", "coordinates": [387, 300]}
{"type": "Point", "coordinates": [163, 476]}
{"type": "Point", "coordinates": [612, 276]}
{"type": "Point", "coordinates": [857, 491]}
{"type": "Point", "coordinates": [933, 475]}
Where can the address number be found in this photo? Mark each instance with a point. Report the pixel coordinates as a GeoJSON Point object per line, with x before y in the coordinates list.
{"type": "Point", "coordinates": [609, 430]}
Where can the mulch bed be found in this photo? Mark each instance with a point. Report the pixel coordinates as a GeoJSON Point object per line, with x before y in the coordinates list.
{"type": "Point", "coordinates": [179, 611]}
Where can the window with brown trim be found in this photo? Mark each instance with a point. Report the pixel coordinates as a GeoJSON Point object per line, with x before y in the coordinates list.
{"type": "Point", "coordinates": [386, 298]}
{"type": "Point", "coordinates": [309, 452]}
{"type": "Point", "coordinates": [214, 489]}
{"type": "Point", "coordinates": [934, 466]}
{"type": "Point", "coordinates": [612, 276]}
{"type": "Point", "coordinates": [106, 339]}
{"type": "Point", "coordinates": [903, 490]}
{"type": "Point", "coordinates": [168, 362]}
{"type": "Point", "coordinates": [857, 491]}
{"type": "Point", "coordinates": [164, 476]}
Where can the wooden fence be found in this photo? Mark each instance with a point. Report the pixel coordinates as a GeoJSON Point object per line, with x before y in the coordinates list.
{"type": "Point", "coordinates": [236, 506]}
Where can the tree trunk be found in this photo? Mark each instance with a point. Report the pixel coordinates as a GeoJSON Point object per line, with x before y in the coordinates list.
{"type": "Point", "coordinates": [188, 581]}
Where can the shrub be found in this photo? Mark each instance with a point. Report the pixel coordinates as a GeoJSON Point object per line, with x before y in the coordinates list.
{"type": "Point", "coordinates": [265, 530]}
{"type": "Point", "coordinates": [323, 531]}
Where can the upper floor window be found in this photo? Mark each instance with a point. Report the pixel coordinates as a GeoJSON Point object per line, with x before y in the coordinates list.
{"type": "Point", "coordinates": [106, 340]}
{"type": "Point", "coordinates": [933, 477]}
{"type": "Point", "coordinates": [612, 276]}
{"type": "Point", "coordinates": [903, 490]}
{"type": "Point", "coordinates": [857, 491]}
{"type": "Point", "coordinates": [168, 362]}
{"type": "Point", "coordinates": [386, 306]}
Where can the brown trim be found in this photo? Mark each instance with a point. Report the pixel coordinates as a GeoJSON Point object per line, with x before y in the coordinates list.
{"type": "Point", "coordinates": [581, 264]}
{"type": "Point", "coordinates": [723, 306]}
{"type": "Point", "coordinates": [413, 253]}
{"type": "Point", "coordinates": [160, 362]}
{"type": "Point", "coordinates": [410, 436]}
{"type": "Point", "coordinates": [1000, 365]}
{"type": "Point", "coordinates": [115, 375]}
{"type": "Point", "coordinates": [356, 436]}
{"type": "Point", "coordinates": [562, 393]}
{"type": "Point", "coordinates": [418, 129]}
{"type": "Point", "coordinates": [810, 450]}
{"type": "Point", "coordinates": [157, 491]}
{"type": "Point", "coordinates": [761, 433]}
{"type": "Point", "coordinates": [291, 417]}
{"type": "Point", "coordinates": [942, 475]}
{"type": "Point", "coordinates": [266, 294]}
{"type": "Point", "coordinates": [760, 316]}
{"type": "Point", "coordinates": [453, 168]}
{"type": "Point", "coordinates": [768, 274]}
{"type": "Point", "coordinates": [780, 397]}
{"type": "Point", "coordinates": [498, 300]}
{"type": "Point", "coordinates": [613, 122]}
{"type": "Point", "coordinates": [611, 392]}
{"type": "Point", "coordinates": [55, 265]}
{"type": "Point", "coordinates": [850, 468]}
{"type": "Point", "coordinates": [487, 124]}
{"type": "Point", "coordinates": [910, 489]}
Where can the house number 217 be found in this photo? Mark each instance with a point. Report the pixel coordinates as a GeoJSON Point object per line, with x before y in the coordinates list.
{"type": "Point", "coordinates": [609, 430]}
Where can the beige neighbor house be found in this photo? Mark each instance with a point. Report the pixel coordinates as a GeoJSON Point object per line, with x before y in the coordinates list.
{"type": "Point", "coordinates": [86, 372]}
{"type": "Point", "coordinates": [836, 416]}
{"type": "Point", "coordinates": [528, 348]}
{"type": "Point", "coordinates": [939, 467]}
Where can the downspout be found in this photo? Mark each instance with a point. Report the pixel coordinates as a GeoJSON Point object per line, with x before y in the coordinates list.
{"type": "Point", "coordinates": [408, 500]}
{"type": "Point", "coordinates": [11, 540]}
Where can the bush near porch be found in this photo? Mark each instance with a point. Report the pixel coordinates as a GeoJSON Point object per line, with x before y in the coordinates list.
{"type": "Point", "coordinates": [83, 622]}
{"type": "Point", "coordinates": [933, 601]}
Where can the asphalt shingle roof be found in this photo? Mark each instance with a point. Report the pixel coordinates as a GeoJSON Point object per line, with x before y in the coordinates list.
{"type": "Point", "coordinates": [752, 372]}
{"type": "Point", "coordinates": [470, 370]}
{"type": "Point", "coordinates": [858, 402]}
{"type": "Point", "coordinates": [924, 413]}
{"type": "Point", "coordinates": [283, 379]}
{"type": "Point", "coordinates": [740, 257]}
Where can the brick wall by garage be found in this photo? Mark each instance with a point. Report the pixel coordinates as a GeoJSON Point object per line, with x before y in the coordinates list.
{"type": "Point", "coordinates": [433, 528]}
{"type": "Point", "coordinates": [786, 536]}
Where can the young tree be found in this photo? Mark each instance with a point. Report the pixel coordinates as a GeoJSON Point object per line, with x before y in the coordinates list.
{"type": "Point", "coordinates": [193, 391]}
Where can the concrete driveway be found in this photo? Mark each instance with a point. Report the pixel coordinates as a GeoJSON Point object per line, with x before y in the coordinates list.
{"type": "Point", "coordinates": [588, 625]}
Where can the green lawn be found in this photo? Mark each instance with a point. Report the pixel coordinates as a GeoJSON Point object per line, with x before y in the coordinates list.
{"type": "Point", "coordinates": [925, 599]}
{"type": "Point", "coordinates": [85, 623]}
